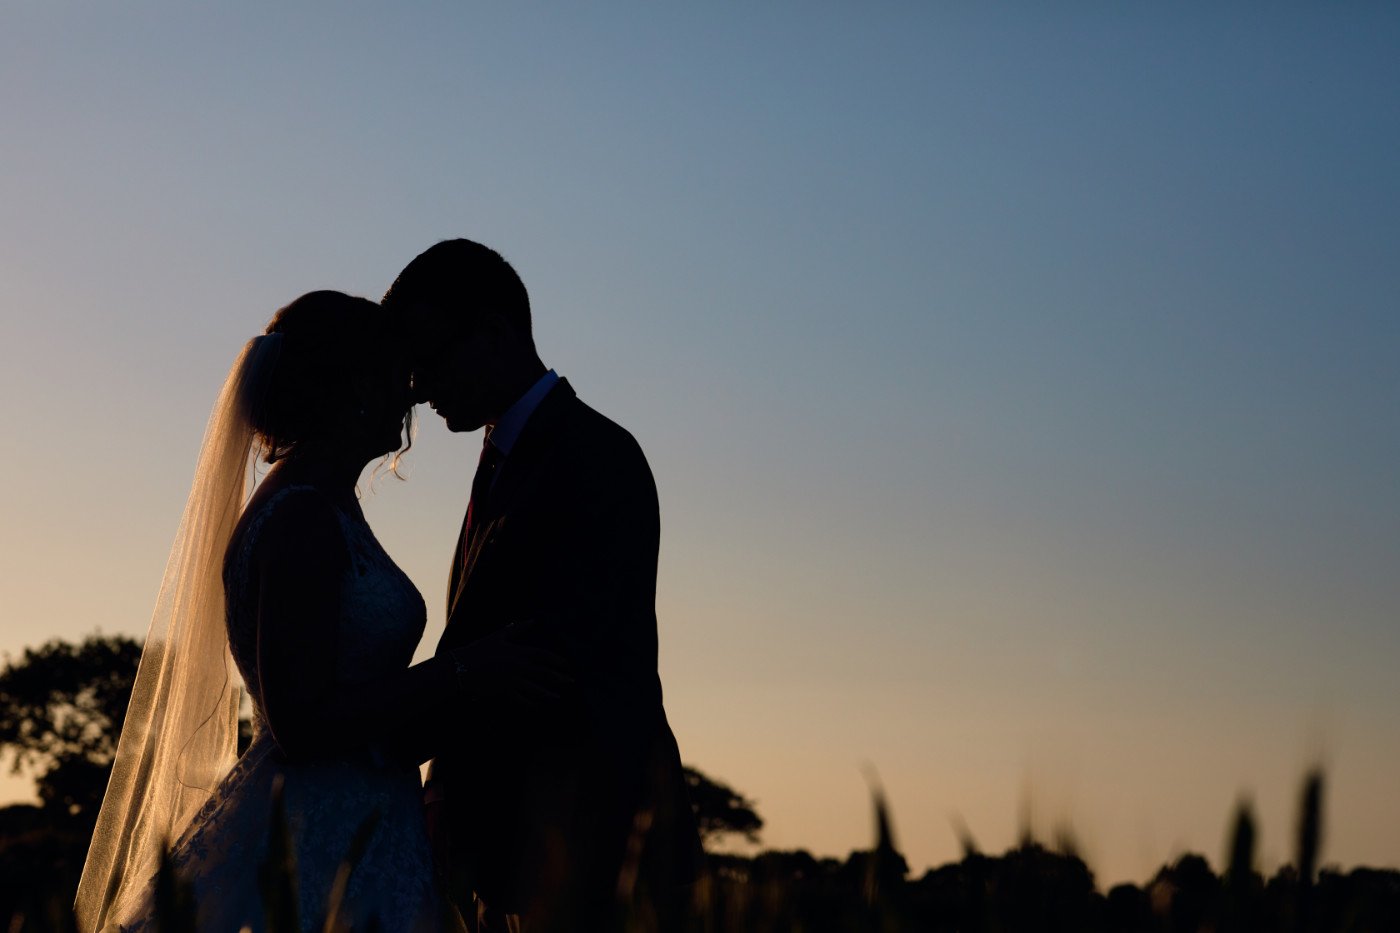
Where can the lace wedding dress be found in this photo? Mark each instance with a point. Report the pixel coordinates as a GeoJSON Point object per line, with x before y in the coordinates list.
{"type": "Point", "coordinates": [325, 802]}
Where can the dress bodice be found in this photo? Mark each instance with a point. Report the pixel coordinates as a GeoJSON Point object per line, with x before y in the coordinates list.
{"type": "Point", "coordinates": [324, 805]}
{"type": "Point", "coordinates": [382, 615]}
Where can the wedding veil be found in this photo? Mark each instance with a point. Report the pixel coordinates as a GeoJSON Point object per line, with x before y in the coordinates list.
{"type": "Point", "coordinates": [181, 730]}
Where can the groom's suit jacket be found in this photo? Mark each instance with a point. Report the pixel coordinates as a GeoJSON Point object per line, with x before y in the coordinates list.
{"type": "Point", "coordinates": [567, 538]}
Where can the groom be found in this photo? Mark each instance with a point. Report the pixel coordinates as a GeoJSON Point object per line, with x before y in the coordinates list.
{"type": "Point", "coordinates": [574, 812]}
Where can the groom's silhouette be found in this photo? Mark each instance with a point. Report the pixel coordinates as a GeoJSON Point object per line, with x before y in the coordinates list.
{"type": "Point", "coordinates": [577, 809]}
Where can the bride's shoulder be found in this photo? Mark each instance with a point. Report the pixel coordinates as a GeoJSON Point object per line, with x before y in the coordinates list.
{"type": "Point", "coordinates": [290, 521]}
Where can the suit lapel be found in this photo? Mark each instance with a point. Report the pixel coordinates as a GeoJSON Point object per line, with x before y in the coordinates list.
{"type": "Point", "coordinates": [531, 449]}
{"type": "Point", "coordinates": [458, 578]}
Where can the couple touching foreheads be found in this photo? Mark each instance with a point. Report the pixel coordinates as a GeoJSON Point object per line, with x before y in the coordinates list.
{"type": "Point", "coordinates": [555, 799]}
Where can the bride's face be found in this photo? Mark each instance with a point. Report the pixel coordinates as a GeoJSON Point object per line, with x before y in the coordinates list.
{"type": "Point", "coordinates": [383, 400]}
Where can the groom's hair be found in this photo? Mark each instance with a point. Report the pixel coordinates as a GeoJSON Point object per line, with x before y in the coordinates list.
{"type": "Point", "coordinates": [458, 280]}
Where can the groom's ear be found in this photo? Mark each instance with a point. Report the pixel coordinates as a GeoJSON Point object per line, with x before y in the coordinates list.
{"type": "Point", "coordinates": [495, 319]}
{"type": "Point", "coordinates": [519, 335]}
{"type": "Point", "coordinates": [496, 325]}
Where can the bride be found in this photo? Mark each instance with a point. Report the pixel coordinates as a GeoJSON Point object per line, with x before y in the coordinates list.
{"type": "Point", "coordinates": [294, 591]}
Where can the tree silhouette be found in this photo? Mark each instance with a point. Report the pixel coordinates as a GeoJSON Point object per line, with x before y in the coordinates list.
{"type": "Point", "coordinates": [61, 711]}
{"type": "Point", "coordinates": [720, 810]}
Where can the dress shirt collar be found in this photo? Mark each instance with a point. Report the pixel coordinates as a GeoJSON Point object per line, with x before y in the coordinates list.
{"type": "Point", "coordinates": [508, 427]}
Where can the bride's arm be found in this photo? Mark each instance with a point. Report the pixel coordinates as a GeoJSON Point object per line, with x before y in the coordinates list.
{"type": "Point", "coordinates": [301, 560]}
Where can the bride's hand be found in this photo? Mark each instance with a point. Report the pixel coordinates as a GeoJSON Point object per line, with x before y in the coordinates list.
{"type": "Point", "coordinates": [505, 667]}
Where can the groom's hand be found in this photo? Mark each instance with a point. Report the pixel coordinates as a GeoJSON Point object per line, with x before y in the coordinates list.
{"type": "Point", "coordinates": [505, 668]}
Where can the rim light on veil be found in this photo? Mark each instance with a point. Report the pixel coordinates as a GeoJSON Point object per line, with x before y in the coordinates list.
{"type": "Point", "coordinates": [180, 735]}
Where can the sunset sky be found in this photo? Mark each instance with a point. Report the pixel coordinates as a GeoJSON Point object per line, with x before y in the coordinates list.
{"type": "Point", "coordinates": [1022, 386]}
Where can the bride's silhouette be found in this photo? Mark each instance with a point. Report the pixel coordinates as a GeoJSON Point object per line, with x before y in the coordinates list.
{"type": "Point", "coordinates": [296, 591]}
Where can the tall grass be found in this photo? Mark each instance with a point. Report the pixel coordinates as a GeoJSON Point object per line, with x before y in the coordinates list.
{"type": "Point", "coordinates": [1029, 888]}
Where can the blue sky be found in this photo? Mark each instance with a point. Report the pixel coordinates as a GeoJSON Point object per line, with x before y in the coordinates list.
{"type": "Point", "coordinates": [1020, 384]}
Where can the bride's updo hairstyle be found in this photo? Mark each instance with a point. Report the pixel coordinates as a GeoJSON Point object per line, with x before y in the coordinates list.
{"type": "Point", "coordinates": [324, 340]}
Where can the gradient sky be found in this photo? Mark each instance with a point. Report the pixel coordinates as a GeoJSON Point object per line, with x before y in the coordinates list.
{"type": "Point", "coordinates": [1021, 386]}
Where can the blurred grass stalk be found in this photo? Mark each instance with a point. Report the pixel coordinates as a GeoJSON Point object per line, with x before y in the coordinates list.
{"type": "Point", "coordinates": [766, 893]}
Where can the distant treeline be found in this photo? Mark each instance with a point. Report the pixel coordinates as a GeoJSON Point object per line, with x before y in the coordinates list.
{"type": "Point", "coordinates": [61, 706]}
{"type": "Point", "coordinates": [1029, 888]}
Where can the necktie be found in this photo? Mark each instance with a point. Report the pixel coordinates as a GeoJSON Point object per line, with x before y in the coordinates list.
{"type": "Point", "coordinates": [486, 467]}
